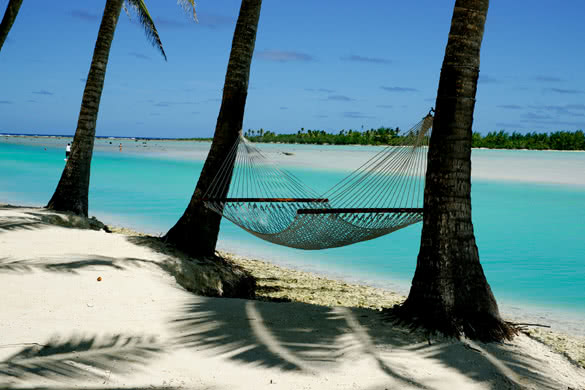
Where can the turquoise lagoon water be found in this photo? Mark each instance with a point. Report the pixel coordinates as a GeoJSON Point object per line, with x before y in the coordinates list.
{"type": "Point", "coordinates": [531, 237]}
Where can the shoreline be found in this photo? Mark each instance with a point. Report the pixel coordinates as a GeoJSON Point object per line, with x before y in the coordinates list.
{"type": "Point", "coordinates": [563, 319]}
{"type": "Point", "coordinates": [288, 282]}
{"type": "Point", "coordinates": [302, 330]}
{"type": "Point", "coordinates": [202, 140]}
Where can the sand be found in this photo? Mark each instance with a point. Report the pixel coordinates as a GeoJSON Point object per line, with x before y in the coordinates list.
{"type": "Point", "coordinates": [62, 328]}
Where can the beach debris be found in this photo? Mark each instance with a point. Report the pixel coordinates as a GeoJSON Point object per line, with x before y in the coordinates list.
{"type": "Point", "coordinates": [99, 279]}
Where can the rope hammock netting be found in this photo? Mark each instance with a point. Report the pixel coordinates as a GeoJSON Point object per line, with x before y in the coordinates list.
{"type": "Point", "coordinates": [383, 195]}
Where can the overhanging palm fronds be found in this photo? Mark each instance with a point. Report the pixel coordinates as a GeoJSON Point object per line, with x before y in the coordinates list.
{"type": "Point", "coordinates": [80, 357]}
{"type": "Point", "coordinates": [146, 21]}
{"type": "Point", "coordinates": [188, 5]}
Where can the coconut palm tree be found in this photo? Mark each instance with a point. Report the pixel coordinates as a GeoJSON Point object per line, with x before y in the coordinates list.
{"type": "Point", "coordinates": [197, 230]}
{"type": "Point", "coordinates": [73, 188]}
{"type": "Point", "coordinates": [8, 19]}
{"type": "Point", "coordinates": [449, 291]}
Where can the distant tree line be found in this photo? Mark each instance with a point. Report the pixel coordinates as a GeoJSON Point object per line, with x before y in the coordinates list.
{"type": "Point", "coordinates": [558, 140]}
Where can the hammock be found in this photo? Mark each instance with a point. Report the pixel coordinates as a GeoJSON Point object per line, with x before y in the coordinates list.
{"type": "Point", "coordinates": [383, 195]}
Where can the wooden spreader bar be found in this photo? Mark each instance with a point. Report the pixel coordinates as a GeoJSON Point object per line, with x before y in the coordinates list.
{"type": "Point", "coordinates": [266, 200]}
{"type": "Point", "coordinates": [360, 210]}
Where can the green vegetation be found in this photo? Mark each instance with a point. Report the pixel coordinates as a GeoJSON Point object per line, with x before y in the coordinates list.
{"type": "Point", "coordinates": [558, 140]}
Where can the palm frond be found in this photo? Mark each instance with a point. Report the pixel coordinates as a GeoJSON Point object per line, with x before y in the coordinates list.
{"type": "Point", "coordinates": [79, 357]}
{"type": "Point", "coordinates": [188, 6]}
{"type": "Point", "coordinates": [146, 21]}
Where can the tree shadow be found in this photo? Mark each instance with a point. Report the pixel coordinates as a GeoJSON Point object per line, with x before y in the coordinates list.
{"type": "Point", "coordinates": [491, 360]}
{"type": "Point", "coordinates": [77, 358]}
{"type": "Point", "coordinates": [29, 218]}
{"type": "Point", "coordinates": [290, 336]}
{"type": "Point", "coordinates": [96, 388]}
{"type": "Point", "coordinates": [308, 338]}
{"type": "Point", "coordinates": [74, 266]}
{"type": "Point", "coordinates": [8, 224]}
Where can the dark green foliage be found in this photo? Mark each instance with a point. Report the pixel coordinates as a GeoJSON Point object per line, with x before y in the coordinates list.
{"type": "Point", "coordinates": [380, 136]}
{"type": "Point", "coordinates": [558, 140]}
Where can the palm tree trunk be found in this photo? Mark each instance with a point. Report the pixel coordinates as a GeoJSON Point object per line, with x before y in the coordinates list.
{"type": "Point", "coordinates": [8, 19]}
{"type": "Point", "coordinates": [197, 230]}
{"type": "Point", "coordinates": [449, 290]}
{"type": "Point", "coordinates": [73, 188]}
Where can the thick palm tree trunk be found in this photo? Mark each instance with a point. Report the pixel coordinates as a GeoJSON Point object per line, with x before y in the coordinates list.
{"type": "Point", "coordinates": [449, 291]}
{"type": "Point", "coordinates": [8, 19]}
{"type": "Point", "coordinates": [197, 230]}
{"type": "Point", "coordinates": [73, 188]}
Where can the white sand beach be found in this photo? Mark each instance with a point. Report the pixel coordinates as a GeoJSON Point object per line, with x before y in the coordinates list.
{"type": "Point", "coordinates": [136, 328]}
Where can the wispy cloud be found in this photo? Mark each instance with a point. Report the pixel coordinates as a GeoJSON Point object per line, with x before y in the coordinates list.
{"type": "Point", "coordinates": [576, 125]}
{"type": "Point", "coordinates": [384, 105]}
{"type": "Point", "coordinates": [575, 106]}
{"type": "Point", "coordinates": [284, 56]}
{"type": "Point", "coordinates": [320, 90]}
{"type": "Point", "coordinates": [565, 91]}
{"type": "Point", "coordinates": [567, 109]}
{"type": "Point", "coordinates": [321, 116]}
{"type": "Point", "coordinates": [170, 24]}
{"type": "Point", "coordinates": [214, 21]}
{"type": "Point", "coordinates": [399, 89]}
{"type": "Point", "coordinates": [6, 102]}
{"type": "Point", "coordinates": [536, 116]}
{"type": "Point", "coordinates": [284, 108]}
{"type": "Point", "coordinates": [371, 60]}
{"type": "Point", "coordinates": [510, 106]}
{"type": "Point", "coordinates": [507, 125]}
{"type": "Point", "coordinates": [43, 92]}
{"type": "Point", "coordinates": [31, 101]}
{"type": "Point", "coordinates": [548, 79]}
{"type": "Point", "coordinates": [356, 115]}
{"type": "Point", "coordinates": [340, 98]}
{"type": "Point", "coordinates": [169, 103]}
{"type": "Point", "coordinates": [139, 55]}
{"type": "Point", "coordinates": [486, 79]}
{"type": "Point", "coordinates": [84, 15]}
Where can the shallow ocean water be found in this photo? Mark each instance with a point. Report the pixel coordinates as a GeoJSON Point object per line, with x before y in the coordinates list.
{"type": "Point", "coordinates": [530, 233]}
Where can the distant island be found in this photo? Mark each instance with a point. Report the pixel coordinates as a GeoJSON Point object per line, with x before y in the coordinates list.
{"type": "Point", "coordinates": [558, 140]}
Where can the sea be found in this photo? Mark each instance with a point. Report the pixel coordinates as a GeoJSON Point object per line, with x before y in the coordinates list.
{"type": "Point", "coordinates": [528, 212]}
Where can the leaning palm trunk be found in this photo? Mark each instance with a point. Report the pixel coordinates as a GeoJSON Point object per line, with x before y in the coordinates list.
{"type": "Point", "coordinates": [8, 19]}
{"type": "Point", "coordinates": [449, 290]}
{"type": "Point", "coordinates": [72, 191]}
{"type": "Point", "coordinates": [197, 230]}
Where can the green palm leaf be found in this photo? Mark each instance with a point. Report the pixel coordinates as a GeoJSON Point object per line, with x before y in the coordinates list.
{"type": "Point", "coordinates": [146, 21]}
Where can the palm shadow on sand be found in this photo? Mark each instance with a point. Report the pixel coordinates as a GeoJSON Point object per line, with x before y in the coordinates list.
{"type": "Point", "coordinates": [310, 338]}
{"type": "Point", "coordinates": [73, 264]}
{"type": "Point", "coordinates": [78, 358]}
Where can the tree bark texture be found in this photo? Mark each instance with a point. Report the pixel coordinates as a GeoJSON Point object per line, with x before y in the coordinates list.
{"type": "Point", "coordinates": [449, 291]}
{"type": "Point", "coordinates": [73, 188]}
{"type": "Point", "coordinates": [197, 230]}
{"type": "Point", "coordinates": [8, 19]}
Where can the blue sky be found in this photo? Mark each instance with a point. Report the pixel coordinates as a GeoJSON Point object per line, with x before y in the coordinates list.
{"type": "Point", "coordinates": [326, 65]}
